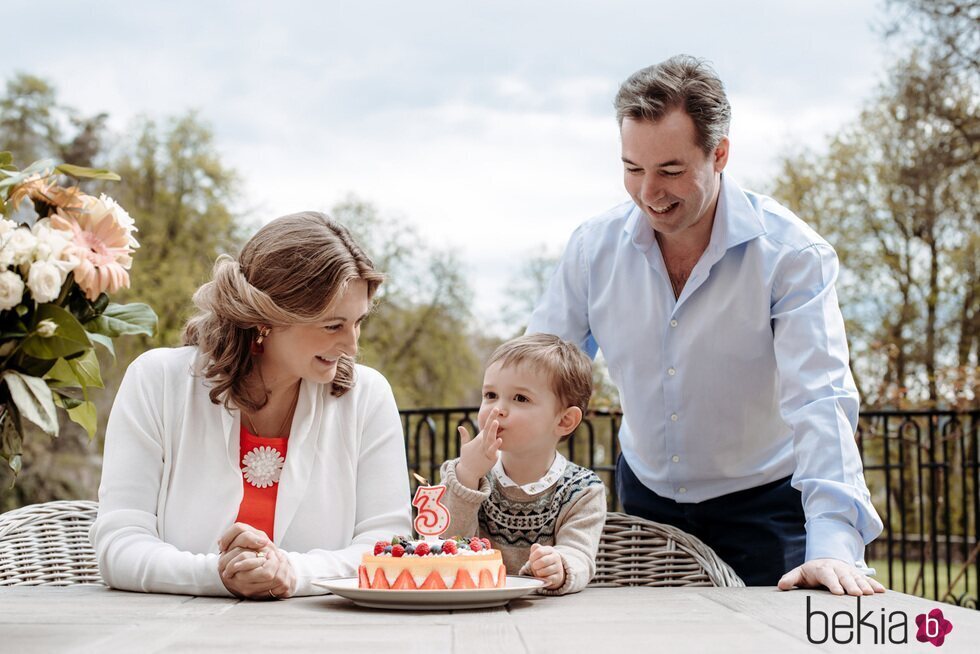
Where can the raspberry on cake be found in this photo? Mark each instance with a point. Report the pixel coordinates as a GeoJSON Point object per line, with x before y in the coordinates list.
{"type": "Point", "coordinates": [455, 564]}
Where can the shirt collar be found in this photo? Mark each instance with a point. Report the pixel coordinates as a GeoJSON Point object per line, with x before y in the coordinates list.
{"type": "Point", "coordinates": [736, 221]}
{"type": "Point", "coordinates": [553, 475]}
{"type": "Point", "coordinates": [639, 230]}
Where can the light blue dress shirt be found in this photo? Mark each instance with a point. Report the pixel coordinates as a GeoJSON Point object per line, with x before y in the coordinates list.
{"type": "Point", "coordinates": [743, 379]}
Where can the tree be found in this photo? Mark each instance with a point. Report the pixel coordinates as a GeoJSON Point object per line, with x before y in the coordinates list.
{"type": "Point", "coordinates": [526, 287]}
{"type": "Point", "coordinates": [421, 334]}
{"type": "Point", "coordinates": [33, 125]}
{"type": "Point", "coordinates": [949, 29]}
{"type": "Point", "coordinates": [948, 32]}
{"type": "Point", "coordinates": [895, 195]}
{"type": "Point", "coordinates": [180, 194]}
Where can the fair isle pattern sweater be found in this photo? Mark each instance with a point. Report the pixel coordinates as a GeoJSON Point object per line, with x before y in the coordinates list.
{"type": "Point", "coordinates": [568, 515]}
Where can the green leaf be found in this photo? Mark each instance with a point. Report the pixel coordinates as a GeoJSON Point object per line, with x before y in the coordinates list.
{"type": "Point", "coordinates": [87, 369]}
{"type": "Point", "coordinates": [89, 173]}
{"type": "Point", "coordinates": [81, 413]}
{"type": "Point", "coordinates": [16, 177]}
{"type": "Point", "coordinates": [70, 338]}
{"type": "Point", "coordinates": [61, 375]}
{"type": "Point", "coordinates": [65, 401]}
{"type": "Point", "coordinates": [104, 341]}
{"type": "Point", "coordinates": [82, 372]}
{"type": "Point", "coordinates": [85, 415]}
{"type": "Point", "coordinates": [6, 160]}
{"type": "Point", "coordinates": [119, 319]}
{"type": "Point", "coordinates": [100, 304]}
{"type": "Point", "coordinates": [33, 367]}
{"type": "Point", "coordinates": [33, 399]}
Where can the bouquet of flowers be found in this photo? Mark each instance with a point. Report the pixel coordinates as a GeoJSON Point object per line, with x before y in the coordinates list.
{"type": "Point", "coordinates": [61, 252]}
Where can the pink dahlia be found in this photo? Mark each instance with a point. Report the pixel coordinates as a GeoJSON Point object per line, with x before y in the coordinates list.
{"type": "Point", "coordinates": [103, 242]}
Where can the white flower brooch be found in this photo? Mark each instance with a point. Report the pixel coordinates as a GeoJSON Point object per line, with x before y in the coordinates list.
{"type": "Point", "coordinates": [262, 466]}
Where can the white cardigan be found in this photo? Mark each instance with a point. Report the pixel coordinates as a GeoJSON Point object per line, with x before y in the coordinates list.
{"type": "Point", "coordinates": [172, 481]}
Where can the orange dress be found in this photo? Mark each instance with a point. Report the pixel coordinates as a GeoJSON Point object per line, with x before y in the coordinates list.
{"type": "Point", "coordinates": [261, 463]}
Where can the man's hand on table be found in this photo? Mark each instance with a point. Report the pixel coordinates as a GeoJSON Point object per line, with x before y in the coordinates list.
{"type": "Point", "coordinates": [838, 577]}
{"type": "Point", "coordinates": [252, 566]}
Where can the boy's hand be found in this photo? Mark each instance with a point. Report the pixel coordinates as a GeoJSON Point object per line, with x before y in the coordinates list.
{"type": "Point", "coordinates": [547, 565]}
{"type": "Point", "coordinates": [478, 455]}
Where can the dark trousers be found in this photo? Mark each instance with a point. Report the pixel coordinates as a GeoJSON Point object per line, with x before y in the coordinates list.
{"type": "Point", "coordinates": [759, 531]}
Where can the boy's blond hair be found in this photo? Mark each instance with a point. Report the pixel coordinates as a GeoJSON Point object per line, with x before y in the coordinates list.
{"type": "Point", "coordinates": [568, 367]}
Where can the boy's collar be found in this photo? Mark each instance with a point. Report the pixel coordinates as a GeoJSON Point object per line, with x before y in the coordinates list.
{"type": "Point", "coordinates": [553, 475]}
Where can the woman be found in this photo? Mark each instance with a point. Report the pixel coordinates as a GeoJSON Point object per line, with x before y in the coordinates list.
{"type": "Point", "coordinates": [259, 456]}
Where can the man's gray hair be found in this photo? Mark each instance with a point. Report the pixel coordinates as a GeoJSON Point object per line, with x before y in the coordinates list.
{"type": "Point", "coordinates": [680, 82]}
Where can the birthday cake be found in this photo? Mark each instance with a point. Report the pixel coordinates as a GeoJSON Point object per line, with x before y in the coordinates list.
{"type": "Point", "coordinates": [451, 564]}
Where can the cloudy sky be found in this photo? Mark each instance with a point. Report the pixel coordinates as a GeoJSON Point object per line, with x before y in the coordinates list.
{"type": "Point", "coordinates": [487, 125]}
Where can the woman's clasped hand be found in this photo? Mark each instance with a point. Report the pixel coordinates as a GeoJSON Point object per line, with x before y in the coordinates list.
{"type": "Point", "coordinates": [251, 566]}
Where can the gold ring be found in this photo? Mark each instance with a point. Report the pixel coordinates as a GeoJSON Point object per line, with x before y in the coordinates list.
{"type": "Point", "coordinates": [260, 555]}
{"type": "Point", "coordinates": [273, 595]}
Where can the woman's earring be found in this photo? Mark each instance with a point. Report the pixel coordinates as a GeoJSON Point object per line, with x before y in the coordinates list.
{"type": "Point", "coordinates": [257, 343]}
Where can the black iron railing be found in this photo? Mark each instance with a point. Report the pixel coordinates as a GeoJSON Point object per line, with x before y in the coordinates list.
{"type": "Point", "coordinates": [921, 467]}
{"type": "Point", "coordinates": [922, 470]}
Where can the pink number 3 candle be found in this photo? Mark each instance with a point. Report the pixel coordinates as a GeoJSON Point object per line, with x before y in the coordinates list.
{"type": "Point", "coordinates": [433, 517]}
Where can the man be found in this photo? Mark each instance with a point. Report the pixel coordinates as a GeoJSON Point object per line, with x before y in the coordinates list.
{"type": "Point", "coordinates": [716, 312]}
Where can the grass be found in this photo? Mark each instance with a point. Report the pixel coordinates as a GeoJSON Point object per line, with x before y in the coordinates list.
{"type": "Point", "coordinates": [925, 585]}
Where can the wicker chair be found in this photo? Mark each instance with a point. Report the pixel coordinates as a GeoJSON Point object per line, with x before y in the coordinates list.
{"type": "Point", "coordinates": [48, 545]}
{"type": "Point", "coordinates": [637, 552]}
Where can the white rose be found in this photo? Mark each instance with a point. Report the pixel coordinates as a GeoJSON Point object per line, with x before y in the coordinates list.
{"type": "Point", "coordinates": [11, 290]}
{"type": "Point", "coordinates": [6, 255]}
{"type": "Point", "coordinates": [21, 245]}
{"type": "Point", "coordinates": [6, 226]}
{"type": "Point", "coordinates": [51, 243]}
{"type": "Point", "coordinates": [45, 280]}
{"type": "Point", "coordinates": [46, 328]}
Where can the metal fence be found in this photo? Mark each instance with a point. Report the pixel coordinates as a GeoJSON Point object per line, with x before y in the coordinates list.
{"type": "Point", "coordinates": [921, 467]}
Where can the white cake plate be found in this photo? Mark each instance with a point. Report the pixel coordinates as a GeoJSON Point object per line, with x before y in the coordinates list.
{"type": "Point", "coordinates": [430, 600]}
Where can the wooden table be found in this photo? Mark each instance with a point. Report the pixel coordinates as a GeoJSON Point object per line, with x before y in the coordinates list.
{"type": "Point", "coordinates": [598, 620]}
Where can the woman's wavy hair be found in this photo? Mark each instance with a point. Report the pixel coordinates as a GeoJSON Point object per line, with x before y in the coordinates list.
{"type": "Point", "coordinates": [290, 272]}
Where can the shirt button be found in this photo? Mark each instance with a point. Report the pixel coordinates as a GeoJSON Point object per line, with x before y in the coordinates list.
{"type": "Point", "coordinates": [673, 417]}
{"type": "Point", "coordinates": [675, 459]}
{"type": "Point", "coordinates": [681, 490]}
{"type": "Point", "coordinates": [671, 372]}
{"type": "Point", "coordinates": [673, 323]}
